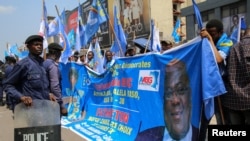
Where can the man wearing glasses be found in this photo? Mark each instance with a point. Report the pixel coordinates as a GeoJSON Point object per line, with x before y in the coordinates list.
{"type": "Point", "coordinates": [178, 104]}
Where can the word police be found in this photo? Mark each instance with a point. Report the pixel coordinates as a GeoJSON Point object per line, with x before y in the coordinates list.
{"type": "Point", "coordinates": [36, 137]}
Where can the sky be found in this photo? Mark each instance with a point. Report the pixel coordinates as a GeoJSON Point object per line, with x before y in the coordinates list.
{"type": "Point", "coordinates": [21, 18]}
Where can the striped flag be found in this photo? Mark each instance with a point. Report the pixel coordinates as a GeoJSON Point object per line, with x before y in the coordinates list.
{"type": "Point", "coordinates": [155, 45]}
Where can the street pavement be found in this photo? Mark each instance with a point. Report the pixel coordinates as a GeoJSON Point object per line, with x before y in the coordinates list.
{"type": "Point", "coordinates": [7, 128]}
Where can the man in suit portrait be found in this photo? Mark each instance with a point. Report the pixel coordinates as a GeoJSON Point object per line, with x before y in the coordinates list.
{"type": "Point", "coordinates": [177, 108]}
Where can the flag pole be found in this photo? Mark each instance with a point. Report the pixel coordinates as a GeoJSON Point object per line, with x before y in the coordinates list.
{"type": "Point", "coordinates": [57, 11]}
{"type": "Point", "coordinates": [7, 46]}
{"type": "Point", "coordinates": [147, 43]}
{"type": "Point", "coordinates": [45, 19]}
{"type": "Point", "coordinates": [44, 50]}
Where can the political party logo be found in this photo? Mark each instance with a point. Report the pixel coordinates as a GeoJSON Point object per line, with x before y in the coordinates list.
{"type": "Point", "coordinates": [149, 80]}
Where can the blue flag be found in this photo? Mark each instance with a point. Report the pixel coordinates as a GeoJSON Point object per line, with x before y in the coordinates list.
{"type": "Point", "coordinates": [243, 25]}
{"type": "Point", "coordinates": [155, 45]}
{"type": "Point", "coordinates": [71, 37]}
{"type": "Point", "coordinates": [95, 18]}
{"type": "Point", "coordinates": [208, 88]}
{"type": "Point", "coordinates": [64, 41]}
{"type": "Point", "coordinates": [152, 34]}
{"type": "Point", "coordinates": [119, 45]}
{"type": "Point", "coordinates": [207, 59]}
{"type": "Point", "coordinates": [197, 15]}
{"type": "Point", "coordinates": [102, 14]}
{"type": "Point", "coordinates": [24, 54]}
{"type": "Point", "coordinates": [176, 32]}
{"type": "Point", "coordinates": [6, 53]}
{"type": "Point", "coordinates": [14, 50]}
{"type": "Point", "coordinates": [80, 41]}
{"type": "Point", "coordinates": [54, 27]}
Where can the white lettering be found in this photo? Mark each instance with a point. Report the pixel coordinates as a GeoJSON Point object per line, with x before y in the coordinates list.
{"type": "Point", "coordinates": [244, 133]}
{"type": "Point", "coordinates": [215, 131]}
{"type": "Point", "coordinates": [38, 137]}
{"type": "Point", "coordinates": [231, 133]}
{"type": "Point", "coordinates": [42, 136]}
{"type": "Point", "coordinates": [28, 137]}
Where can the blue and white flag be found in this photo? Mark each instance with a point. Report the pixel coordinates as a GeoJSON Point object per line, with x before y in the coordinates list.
{"type": "Point", "coordinates": [98, 58]}
{"type": "Point", "coordinates": [44, 26]}
{"type": "Point", "coordinates": [155, 45]}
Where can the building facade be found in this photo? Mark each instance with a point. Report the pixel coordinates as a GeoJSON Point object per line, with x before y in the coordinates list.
{"type": "Point", "coordinates": [224, 10]}
{"type": "Point", "coordinates": [164, 13]}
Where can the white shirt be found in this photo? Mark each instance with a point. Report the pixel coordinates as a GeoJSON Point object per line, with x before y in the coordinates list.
{"type": "Point", "coordinates": [188, 137]}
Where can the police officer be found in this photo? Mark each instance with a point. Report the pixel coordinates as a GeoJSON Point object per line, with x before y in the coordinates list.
{"type": "Point", "coordinates": [54, 74]}
{"type": "Point", "coordinates": [9, 64]}
{"type": "Point", "coordinates": [28, 79]}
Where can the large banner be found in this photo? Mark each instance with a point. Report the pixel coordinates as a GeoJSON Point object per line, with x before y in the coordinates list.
{"type": "Point", "coordinates": [146, 97]}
